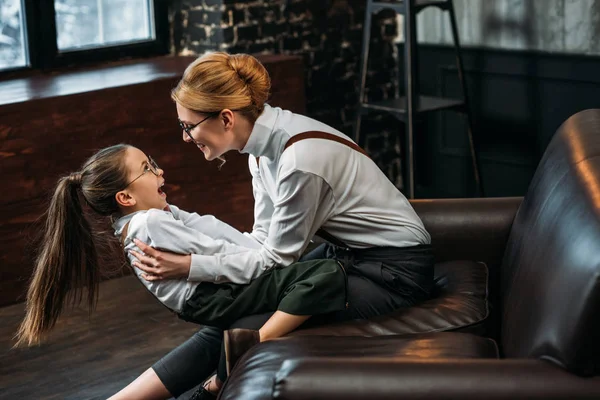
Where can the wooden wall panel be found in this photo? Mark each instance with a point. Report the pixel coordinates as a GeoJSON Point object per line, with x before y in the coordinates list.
{"type": "Point", "coordinates": [44, 138]}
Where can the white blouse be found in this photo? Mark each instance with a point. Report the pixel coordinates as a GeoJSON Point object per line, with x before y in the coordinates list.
{"type": "Point", "coordinates": [314, 183]}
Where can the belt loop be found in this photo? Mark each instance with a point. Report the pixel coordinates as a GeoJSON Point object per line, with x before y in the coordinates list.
{"type": "Point", "coordinates": [348, 257]}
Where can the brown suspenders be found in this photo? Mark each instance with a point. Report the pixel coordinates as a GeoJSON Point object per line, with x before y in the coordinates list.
{"type": "Point", "coordinates": [327, 136]}
{"type": "Point", "coordinates": [320, 135]}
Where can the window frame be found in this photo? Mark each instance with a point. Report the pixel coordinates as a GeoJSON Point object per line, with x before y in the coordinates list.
{"type": "Point", "coordinates": [40, 27]}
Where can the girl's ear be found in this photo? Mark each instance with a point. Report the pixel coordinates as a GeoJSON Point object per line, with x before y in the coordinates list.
{"type": "Point", "coordinates": [124, 199]}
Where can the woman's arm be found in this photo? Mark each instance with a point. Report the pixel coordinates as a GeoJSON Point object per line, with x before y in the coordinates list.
{"type": "Point", "coordinates": [263, 206]}
{"type": "Point", "coordinates": [304, 202]}
{"type": "Point", "coordinates": [177, 241]}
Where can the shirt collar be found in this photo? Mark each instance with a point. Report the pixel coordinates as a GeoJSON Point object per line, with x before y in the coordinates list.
{"type": "Point", "coordinates": [119, 224]}
{"type": "Point", "coordinates": [263, 141]}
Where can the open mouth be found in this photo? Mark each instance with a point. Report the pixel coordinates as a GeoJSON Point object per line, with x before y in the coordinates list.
{"type": "Point", "coordinates": [160, 191]}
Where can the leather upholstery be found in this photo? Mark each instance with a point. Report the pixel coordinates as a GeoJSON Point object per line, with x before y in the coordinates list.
{"type": "Point", "coordinates": [253, 376]}
{"type": "Point", "coordinates": [469, 229]}
{"type": "Point", "coordinates": [459, 303]}
{"type": "Point", "coordinates": [551, 270]}
{"type": "Point", "coordinates": [472, 229]}
{"type": "Point", "coordinates": [320, 378]}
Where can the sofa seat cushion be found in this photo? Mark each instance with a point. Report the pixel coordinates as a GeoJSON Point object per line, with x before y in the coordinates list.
{"type": "Point", "coordinates": [254, 375]}
{"type": "Point", "coordinates": [459, 303]}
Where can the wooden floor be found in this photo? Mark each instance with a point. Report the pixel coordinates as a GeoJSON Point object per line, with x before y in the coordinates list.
{"type": "Point", "coordinates": [90, 357]}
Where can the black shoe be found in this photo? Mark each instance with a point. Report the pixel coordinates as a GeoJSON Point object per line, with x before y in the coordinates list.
{"type": "Point", "coordinates": [237, 342]}
{"type": "Point", "coordinates": [203, 394]}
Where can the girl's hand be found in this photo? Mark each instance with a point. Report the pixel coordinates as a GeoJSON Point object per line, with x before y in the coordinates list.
{"type": "Point", "coordinates": [159, 265]}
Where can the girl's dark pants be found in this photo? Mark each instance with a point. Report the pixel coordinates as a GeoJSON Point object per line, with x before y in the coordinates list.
{"type": "Point", "coordinates": [380, 280]}
{"type": "Point", "coordinates": [305, 288]}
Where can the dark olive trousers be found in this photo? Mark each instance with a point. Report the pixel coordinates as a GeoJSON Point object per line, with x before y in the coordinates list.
{"type": "Point", "coordinates": [305, 288]}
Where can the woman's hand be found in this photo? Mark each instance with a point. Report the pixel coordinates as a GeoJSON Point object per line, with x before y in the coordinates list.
{"type": "Point", "coordinates": [159, 265]}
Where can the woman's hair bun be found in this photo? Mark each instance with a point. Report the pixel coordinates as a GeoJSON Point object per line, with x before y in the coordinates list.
{"type": "Point", "coordinates": [253, 74]}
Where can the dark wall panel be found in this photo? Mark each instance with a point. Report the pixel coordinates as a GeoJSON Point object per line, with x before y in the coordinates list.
{"type": "Point", "coordinates": [518, 101]}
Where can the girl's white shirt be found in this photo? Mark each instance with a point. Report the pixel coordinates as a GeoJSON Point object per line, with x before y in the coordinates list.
{"type": "Point", "coordinates": [181, 232]}
{"type": "Point", "coordinates": [314, 183]}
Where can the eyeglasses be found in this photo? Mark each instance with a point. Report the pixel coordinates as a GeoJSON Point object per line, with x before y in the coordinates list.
{"type": "Point", "coordinates": [151, 166]}
{"type": "Point", "coordinates": [189, 128]}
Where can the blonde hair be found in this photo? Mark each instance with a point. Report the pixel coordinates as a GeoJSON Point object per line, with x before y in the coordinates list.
{"type": "Point", "coordinates": [216, 81]}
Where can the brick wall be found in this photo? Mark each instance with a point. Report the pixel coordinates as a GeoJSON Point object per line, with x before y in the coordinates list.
{"type": "Point", "coordinates": [328, 34]}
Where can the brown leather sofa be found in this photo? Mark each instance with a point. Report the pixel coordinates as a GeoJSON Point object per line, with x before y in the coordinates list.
{"type": "Point", "coordinates": [523, 321]}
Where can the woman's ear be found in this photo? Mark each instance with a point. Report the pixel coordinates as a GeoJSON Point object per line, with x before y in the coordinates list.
{"type": "Point", "coordinates": [228, 119]}
{"type": "Point", "coordinates": [124, 199]}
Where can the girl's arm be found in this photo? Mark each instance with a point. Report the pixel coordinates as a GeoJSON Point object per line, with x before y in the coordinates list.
{"type": "Point", "coordinates": [168, 233]}
{"type": "Point", "coordinates": [165, 251]}
{"type": "Point", "coordinates": [214, 228]}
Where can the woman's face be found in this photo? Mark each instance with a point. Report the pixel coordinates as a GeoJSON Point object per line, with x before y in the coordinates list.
{"type": "Point", "coordinates": [212, 134]}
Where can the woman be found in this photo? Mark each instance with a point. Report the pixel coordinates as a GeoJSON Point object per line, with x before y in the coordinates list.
{"type": "Point", "coordinates": [302, 182]}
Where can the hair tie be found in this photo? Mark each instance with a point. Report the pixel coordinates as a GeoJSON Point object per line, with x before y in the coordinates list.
{"type": "Point", "coordinates": [75, 178]}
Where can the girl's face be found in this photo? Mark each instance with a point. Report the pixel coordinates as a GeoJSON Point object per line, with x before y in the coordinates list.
{"type": "Point", "coordinates": [212, 134]}
{"type": "Point", "coordinates": [146, 181]}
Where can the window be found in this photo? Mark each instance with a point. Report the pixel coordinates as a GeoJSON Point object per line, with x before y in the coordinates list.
{"type": "Point", "coordinates": [48, 33]}
{"type": "Point", "coordinates": [101, 23]}
{"type": "Point", "coordinates": [13, 49]}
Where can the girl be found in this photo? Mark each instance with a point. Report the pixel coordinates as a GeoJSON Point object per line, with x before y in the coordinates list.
{"type": "Point", "coordinates": [122, 182]}
{"type": "Point", "coordinates": [306, 175]}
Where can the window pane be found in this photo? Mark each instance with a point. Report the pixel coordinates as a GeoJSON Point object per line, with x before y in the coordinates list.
{"type": "Point", "coordinates": [101, 23]}
{"type": "Point", "coordinates": [13, 44]}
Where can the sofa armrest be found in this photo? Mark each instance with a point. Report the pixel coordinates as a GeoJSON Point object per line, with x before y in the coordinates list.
{"type": "Point", "coordinates": [441, 379]}
{"type": "Point", "coordinates": [469, 229]}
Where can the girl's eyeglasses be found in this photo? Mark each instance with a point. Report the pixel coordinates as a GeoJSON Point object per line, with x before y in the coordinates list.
{"type": "Point", "coordinates": [151, 166]}
{"type": "Point", "coordinates": [189, 128]}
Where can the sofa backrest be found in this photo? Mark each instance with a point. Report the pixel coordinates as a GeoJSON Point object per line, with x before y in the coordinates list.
{"type": "Point", "coordinates": [551, 268]}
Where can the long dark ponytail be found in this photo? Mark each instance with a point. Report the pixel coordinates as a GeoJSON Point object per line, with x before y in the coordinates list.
{"type": "Point", "coordinates": [67, 261]}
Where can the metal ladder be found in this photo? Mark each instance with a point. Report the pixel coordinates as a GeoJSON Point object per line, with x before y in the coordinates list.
{"type": "Point", "coordinates": [408, 107]}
